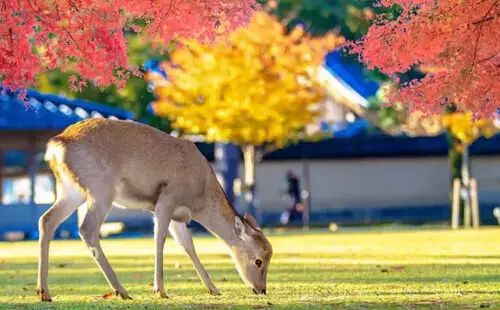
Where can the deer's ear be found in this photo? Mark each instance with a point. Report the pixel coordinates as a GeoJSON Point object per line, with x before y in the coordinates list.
{"type": "Point", "coordinates": [239, 226]}
{"type": "Point", "coordinates": [252, 221]}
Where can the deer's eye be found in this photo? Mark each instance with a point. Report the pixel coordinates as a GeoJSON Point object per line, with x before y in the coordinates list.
{"type": "Point", "coordinates": [258, 262]}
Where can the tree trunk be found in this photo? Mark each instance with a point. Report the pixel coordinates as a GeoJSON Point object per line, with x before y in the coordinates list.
{"type": "Point", "coordinates": [455, 160]}
{"type": "Point", "coordinates": [227, 160]}
{"type": "Point", "coordinates": [466, 185]}
{"type": "Point", "coordinates": [249, 179]}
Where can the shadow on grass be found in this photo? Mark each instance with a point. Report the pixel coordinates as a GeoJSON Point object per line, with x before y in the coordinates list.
{"type": "Point", "coordinates": [429, 304]}
{"type": "Point", "coordinates": [461, 256]}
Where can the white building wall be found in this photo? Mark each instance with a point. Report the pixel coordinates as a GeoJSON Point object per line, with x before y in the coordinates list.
{"type": "Point", "coordinates": [487, 172]}
{"type": "Point", "coordinates": [365, 183]}
{"type": "Point", "coordinates": [375, 182]}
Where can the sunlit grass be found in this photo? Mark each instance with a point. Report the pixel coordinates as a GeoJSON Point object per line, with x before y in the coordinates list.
{"type": "Point", "coordinates": [383, 270]}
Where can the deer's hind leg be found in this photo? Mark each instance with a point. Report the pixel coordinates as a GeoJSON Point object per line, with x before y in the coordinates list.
{"type": "Point", "coordinates": [99, 202]}
{"type": "Point", "coordinates": [69, 198]}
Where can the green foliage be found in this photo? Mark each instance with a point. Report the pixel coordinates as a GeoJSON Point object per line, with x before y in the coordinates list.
{"type": "Point", "coordinates": [454, 158]}
{"type": "Point", "coordinates": [351, 18]}
{"type": "Point", "coordinates": [389, 116]}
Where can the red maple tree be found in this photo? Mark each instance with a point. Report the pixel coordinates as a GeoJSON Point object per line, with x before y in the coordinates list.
{"type": "Point", "coordinates": [87, 36]}
{"type": "Point", "coordinates": [457, 43]}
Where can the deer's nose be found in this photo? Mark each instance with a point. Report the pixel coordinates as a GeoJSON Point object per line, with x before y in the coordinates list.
{"type": "Point", "coordinates": [264, 291]}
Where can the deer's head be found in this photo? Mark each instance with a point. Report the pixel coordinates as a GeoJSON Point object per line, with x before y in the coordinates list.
{"type": "Point", "coordinates": [252, 253]}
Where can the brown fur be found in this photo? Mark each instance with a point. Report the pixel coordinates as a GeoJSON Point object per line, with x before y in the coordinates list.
{"type": "Point", "coordinates": [101, 162]}
{"type": "Point", "coordinates": [165, 162]}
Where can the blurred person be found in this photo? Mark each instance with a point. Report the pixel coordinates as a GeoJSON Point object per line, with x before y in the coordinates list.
{"type": "Point", "coordinates": [292, 195]}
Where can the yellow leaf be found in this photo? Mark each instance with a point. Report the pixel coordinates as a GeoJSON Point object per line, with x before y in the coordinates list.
{"type": "Point", "coordinates": [255, 87]}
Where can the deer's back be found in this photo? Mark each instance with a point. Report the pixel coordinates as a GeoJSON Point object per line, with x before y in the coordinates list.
{"type": "Point", "coordinates": [138, 160]}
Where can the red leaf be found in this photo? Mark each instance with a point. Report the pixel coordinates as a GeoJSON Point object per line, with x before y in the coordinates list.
{"type": "Point", "coordinates": [86, 37]}
{"type": "Point", "coordinates": [454, 41]}
{"type": "Point", "coordinates": [108, 295]}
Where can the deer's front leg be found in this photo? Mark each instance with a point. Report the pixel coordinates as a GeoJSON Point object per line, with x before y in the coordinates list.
{"type": "Point", "coordinates": [161, 222]}
{"type": "Point", "coordinates": [182, 235]}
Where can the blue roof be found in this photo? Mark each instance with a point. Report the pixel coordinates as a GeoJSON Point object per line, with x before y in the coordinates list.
{"type": "Point", "coordinates": [348, 129]}
{"type": "Point", "coordinates": [154, 65]}
{"type": "Point", "coordinates": [381, 146]}
{"type": "Point", "coordinates": [49, 112]}
{"type": "Point", "coordinates": [369, 146]}
{"type": "Point", "coordinates": [352, 73]}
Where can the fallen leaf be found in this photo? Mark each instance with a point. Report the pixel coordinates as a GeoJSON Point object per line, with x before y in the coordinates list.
{"type": "Point", "coordinates": [465, 282]}
{"type": "Point", "coordinates": [25, 289]}
{"type": "Point", "coordinates": [108, 295]}
{"type": "Point", "coordinates": [484, 305]}
{"type": "Point", "coordinates": [397, 267]}
{"type": "Point", "coordinates": [384, 270]}
{"type": "Point", "coordinates": [223, 279]}
{"type": "Point", "coordinates": [62, 265]}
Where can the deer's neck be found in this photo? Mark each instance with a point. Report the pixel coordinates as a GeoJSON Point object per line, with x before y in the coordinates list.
{"type": "Point", "coordinates": [219, 216]}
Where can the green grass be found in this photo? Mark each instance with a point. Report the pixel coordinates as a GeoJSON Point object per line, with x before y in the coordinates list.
{"type": "Point", "coordinates": [409, 269]}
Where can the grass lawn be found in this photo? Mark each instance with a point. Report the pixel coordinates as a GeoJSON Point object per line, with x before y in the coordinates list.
{"type": "Point", "coordinates": [409, 269]}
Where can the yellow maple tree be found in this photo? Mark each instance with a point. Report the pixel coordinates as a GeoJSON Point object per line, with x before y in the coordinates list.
{"type": "Point", "coordinates": [257, 87]}
{"type": "Point", "coordinates": [464, 128]}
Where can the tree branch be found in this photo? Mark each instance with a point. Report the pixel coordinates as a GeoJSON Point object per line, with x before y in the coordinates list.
{"type": "Point", "coordinates": [487, 58]}
{"type": "Point", "coordinates": [479, 31]}
{"type": "Point", "coordinates": [486, 17]}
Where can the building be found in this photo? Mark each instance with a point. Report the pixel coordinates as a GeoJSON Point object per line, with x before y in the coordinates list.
{"type": "Point", "coordinates": [26, 184]}
{"type": "Point", "coordinates": [359, 176]}
{"type": "Point", "coordinates": [366, 177]}
{"type": "Point", "coordinates": [362, 175]}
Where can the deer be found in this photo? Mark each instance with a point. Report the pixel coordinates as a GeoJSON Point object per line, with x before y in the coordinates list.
{"type": "Point", "coordinates": [99, 163]}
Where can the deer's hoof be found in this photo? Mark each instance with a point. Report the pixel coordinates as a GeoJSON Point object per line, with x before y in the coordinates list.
{"type": "Point", "coordinates": [163, 295]}
{"type": "Point", "coordinates": [44, 295]}
{"type": "Point", "coordinates": [160, 293]}
{"type": "Point", "coordinates": [214, 292]}
{"type": "Point", "coordinates": [123, 294]}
